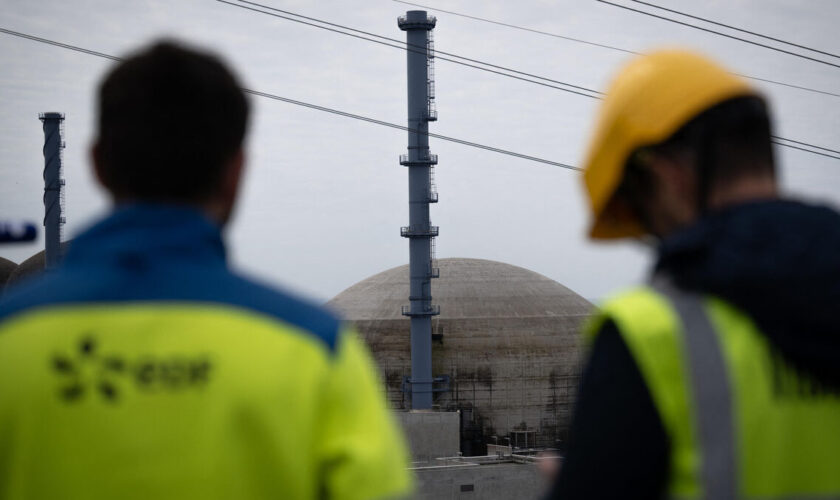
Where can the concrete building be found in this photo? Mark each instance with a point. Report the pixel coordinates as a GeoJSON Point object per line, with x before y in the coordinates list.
{"type": "Point", "coordinates": [489, 481]}
{"type": "Point", "coordinates": [33, 266]}
{"type": "Point", "coordinates": [505, 354]}
{"type": "Point", "coordinates": [7, 267]}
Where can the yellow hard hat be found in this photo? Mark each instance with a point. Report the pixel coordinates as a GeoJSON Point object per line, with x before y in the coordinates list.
{"type": "Point", "coordinates": [649, 100]}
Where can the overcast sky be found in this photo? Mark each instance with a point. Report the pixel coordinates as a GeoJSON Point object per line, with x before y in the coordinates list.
{"type": "Point", "coordinates": [325, 196]}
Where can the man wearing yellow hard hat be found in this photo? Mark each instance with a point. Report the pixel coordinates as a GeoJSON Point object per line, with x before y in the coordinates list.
{"type": "Point", "coordinates": [720, 379]}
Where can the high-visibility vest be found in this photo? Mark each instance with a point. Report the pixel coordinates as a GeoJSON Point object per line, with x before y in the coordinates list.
{"type": "Point", "coordinates": [741, 422]}
{"type": "Point", "coordinates": [143, 368]}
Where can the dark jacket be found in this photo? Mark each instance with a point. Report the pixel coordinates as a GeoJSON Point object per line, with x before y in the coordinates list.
{"type": "Point", "coordinates": [778, 261]}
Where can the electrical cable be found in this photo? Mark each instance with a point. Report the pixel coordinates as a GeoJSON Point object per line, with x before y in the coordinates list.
{"type": "Point", "coordinates": [707, 30]}
{"type": "Point", "coordinates": [477, 145]}
{"type": "Point", "coordinates": [524, 28]}
{"type": "Point", "coordinates": [805, 144]}
{"type": "Point", "coordinates": [394, 40]}
{"type": "Point", "coordinates": [59, 44]}
{"type": "Point", "coordinates": [408, 129]}
{"type": "Point", "coordinates": [783, 84]}
{"type": "Point", "coordinates": [394, 125]}
{"type": "Point", "coordinates": [736, 28]}
{"type": "Point", "coordinates": [808, 89]}
{"type": "Point", "coordinates": [807, 150]}
{"type": "Point", "coordinates": [419, 47]}
{"type": "Point", "coordinates": [403, 47]}
{"type": "Point", "coordinates": [458, 62]}
{"type": "Point", "coordinates": [316, 107]}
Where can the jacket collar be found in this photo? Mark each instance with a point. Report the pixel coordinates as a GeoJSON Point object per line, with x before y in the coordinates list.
{"type": "Point", "coordinates": [151, 233]}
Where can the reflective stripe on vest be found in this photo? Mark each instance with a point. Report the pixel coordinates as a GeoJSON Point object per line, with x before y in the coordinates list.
{"type": "Point", "coordinates": [712, 396]}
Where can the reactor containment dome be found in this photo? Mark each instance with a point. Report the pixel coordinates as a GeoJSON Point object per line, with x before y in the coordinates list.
{"type": "Point", "coordinates": [506, 348]}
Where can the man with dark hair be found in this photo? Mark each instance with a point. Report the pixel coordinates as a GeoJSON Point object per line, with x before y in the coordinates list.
{"type": "Point", "coordinates": [721, 378]}
{"type": "Point", "coordinates": [169, 125]}
{"type": "Point", "coordinates": [143, 368]}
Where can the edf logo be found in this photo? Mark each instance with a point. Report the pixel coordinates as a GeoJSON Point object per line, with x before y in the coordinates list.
{"type": "Point", "coordinates": [88, 370]}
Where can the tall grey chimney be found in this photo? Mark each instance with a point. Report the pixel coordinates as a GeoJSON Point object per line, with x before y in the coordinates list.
{"type": "Point", "coordinates": [421, 192]}
{"type": "Point", "coordinates": [53, 185]}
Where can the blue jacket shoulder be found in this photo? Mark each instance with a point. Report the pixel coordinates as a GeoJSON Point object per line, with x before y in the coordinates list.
{"type": "Point", "coordinates": [286, 307]}
{"type": "Point", "coordinates": [185, 284]}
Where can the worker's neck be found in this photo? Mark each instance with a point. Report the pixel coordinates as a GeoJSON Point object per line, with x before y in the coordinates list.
{"type": "Point", "coordinates": [214, 209]}
{"type": "Point", "coordinates": [743, 190]}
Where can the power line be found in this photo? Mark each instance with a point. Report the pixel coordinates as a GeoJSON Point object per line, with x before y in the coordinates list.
{"type": "Point", "coordinates": [315, 106]}
{"type": "Point", "coordinates": [580, 90]}
{"type": "Point", "coordinates": [736, 29]}
{"type": "Point", "coordinates": [407, 48]}
{"type": "Point", "coordinates": [394, 40]}
{"type": "Point", "coordinates": [805, 144]}
{"type": "Point", "coordinates": [783, 84]}
{"type": "Point", "coordinates": [807, 150]}
{"type": "Point", "coordinates": [420, 48]}
{"type": "Point", "coordinates": [525, 28]}
{"type": "Point", "coordinates": [721, 34]}
{"type": "Point", "coordinates": [59, 44]}
{"type": "Point", "coordinates": [776, 139]}
{"type": "Point", "coordinates": [408, 129]}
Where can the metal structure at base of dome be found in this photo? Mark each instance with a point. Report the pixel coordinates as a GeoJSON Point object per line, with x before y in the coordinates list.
{"type": "Point", "coordinates": [421, 192]}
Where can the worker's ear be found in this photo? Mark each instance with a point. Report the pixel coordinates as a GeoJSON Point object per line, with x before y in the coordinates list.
{"type": "Point", "coordinates": [98, 167]}
{"type": "Point", "coordinates": [674, 176]}
{"type": "Point", "coordinates": [673, 203]}
{"type": "Point", "coordinates": [229, 187]}
{"type": "Point", "coordinates": [233, 174]}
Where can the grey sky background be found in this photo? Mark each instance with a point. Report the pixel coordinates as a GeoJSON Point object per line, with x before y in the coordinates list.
{"type": "Point", "coordinates": [324, 195]}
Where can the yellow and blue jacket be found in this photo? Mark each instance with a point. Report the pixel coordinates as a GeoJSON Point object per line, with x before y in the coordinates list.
{"type": "Point", "coordinates": [144, 368]}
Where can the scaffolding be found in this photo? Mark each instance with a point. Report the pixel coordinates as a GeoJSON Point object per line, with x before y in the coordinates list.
{"type": "Point", "coordinates": [431, 108]}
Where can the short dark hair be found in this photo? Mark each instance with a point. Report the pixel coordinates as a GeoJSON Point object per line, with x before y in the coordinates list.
{"type": "Point", "coordinates": [732, 138]}
{"type": "Point", "coordinates": [170, 118]}
{"type": "Point", "coordinates": [727, 141]}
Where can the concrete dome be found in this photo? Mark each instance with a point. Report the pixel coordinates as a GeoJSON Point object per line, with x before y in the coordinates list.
{"type": "Point", "coordinates": [6, 269]}
{"type": "Point", "coordinates": [33, 265]}
{"type": "Point", "coordinates": [507, 337]}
